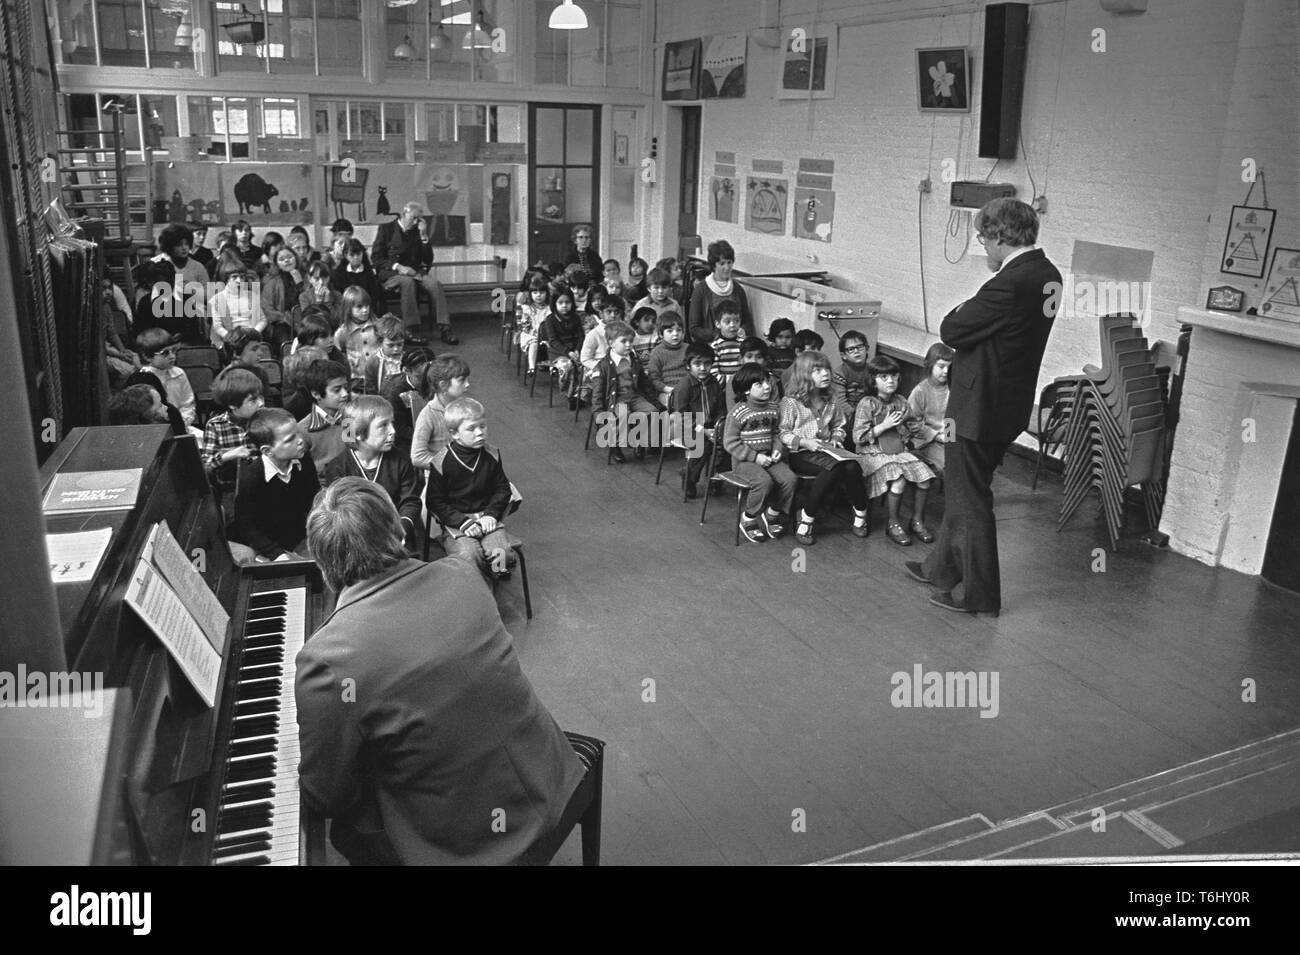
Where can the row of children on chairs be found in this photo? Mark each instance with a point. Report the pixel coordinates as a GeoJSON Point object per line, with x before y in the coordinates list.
{"type": "Point", "coordinates": [848, 429]}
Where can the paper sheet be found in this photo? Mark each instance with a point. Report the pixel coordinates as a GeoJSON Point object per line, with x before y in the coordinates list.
{"type": "Point", "coordinates": [162, 611]}
{"type": "Point", "coordinates": [74, 558]}
{"type": "Point", "coordinates": [167, 556]}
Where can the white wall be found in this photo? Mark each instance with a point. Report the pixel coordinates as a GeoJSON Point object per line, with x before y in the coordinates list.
{"type": "Point", "coordinates": [1133, 147]}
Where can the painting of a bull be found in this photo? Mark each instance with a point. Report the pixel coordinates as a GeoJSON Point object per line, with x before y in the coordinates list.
{"type": "Point", "coordinates": [252, 190]}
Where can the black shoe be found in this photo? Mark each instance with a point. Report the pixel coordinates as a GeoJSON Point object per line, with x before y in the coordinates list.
{"type": "Point", "coordinates": [916, 570]}
{"type": "Point", "coordinates": [896, 534]}
{"type": "Point", "coordinates": [618, 457]}
{"type": "Point", "coordinates": [640, 454]}
{"type": "Point", "coordinates": [692, 492]}
{"type": "Point", "coordinates": [947, 602]}
{"type": "Point", "coordinates": [573, 404]}
{"type": "Point", "coordinates": [447, 337]}
{"type": "Point", "coordinates": [922, 532]}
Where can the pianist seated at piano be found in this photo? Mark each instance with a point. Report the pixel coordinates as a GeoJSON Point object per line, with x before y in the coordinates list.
{"type": "Point", "coordinates": [420, 736]}
{"type": "Point", "coordinates": [368, 437]}
{"type": "Point", "coordinates": [273, 491]}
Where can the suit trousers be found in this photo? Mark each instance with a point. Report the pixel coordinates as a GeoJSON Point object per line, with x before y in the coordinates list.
{"type": "Point", "coordinates": [409, 286]}
{"type": "Point", "coordinates": [966, 551]}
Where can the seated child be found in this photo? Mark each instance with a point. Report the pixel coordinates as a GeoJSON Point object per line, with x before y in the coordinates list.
{"type": "Point", "coordinates": [804, 340]}
{"type": "Point", "coordinates": [929, 402]}
{"type": "Point", "coordinates": [401, 391]}
{"type": "Point", "coordinates": [225, 437]}
{"type": "Point", "coordinates": [354, 318]}
{"type": "Point", "coordinates": [533, 308]}
{"type": "Point", "coordinates": [676, 285]}
{"type": "Point", "coordinates": [752, 437]}
{"type": "Point", "coordinates": [700, 394]}
{"type": "Point", "coordinates": [158, 353]}
{"type": "Point", "coordinates": [172, 413]}
{"type": "Point", "coordinates": [318, 290]}
{"type": "Point", "coordinates": [753, 351]}
{"type": "Point", "coordinates": [563, 334]}
{"type": "Point", "coordinates": [636, 289]}
{"type": "Point", "coordinates": [727, 344]}
{"type": "Point", "coordinates": [138, 404]}
{"type": "Point", "coordinates": [659, 296]}
{"type": "Point", "coordinates": [620, 382]}
{"type": "Point", "coordinates": [668, 359]}
{"type": "Point", "coordinates": [850, 384]}
{"type": "Point", "coordinates": [369, 435]}
{"type": "Point", "coordinates": [468, 493]}
{"type": "Point", "coordinates": [274, 492]}
{"type": "Point", "coordinates": [327, 383]}
{"type": "Point", "coordinates": [386, 363]}
{"type": "Point", "coordinates": [244, 346]}
{"type": "Point", "coordinates": [645, 337]}
{"type": "Point", "coordinates": [596, 345]}
{"type": "Point", "coordinates": [294, 396]}
{"type": "Point", "coordinates": [884, 425]}
{"type": "Point", "coordinates": [578, 280]}
{"type": "Point", "coordinates": [446, 379]}
{"type": "Point", "coordinates": [596, 299]}
{"type": "Point", "coordinates": [317, 330]}
{"type": "Point", "coordinates": [780, 353]}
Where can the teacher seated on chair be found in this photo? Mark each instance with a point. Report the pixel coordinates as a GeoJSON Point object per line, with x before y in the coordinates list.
{"type": "Point", "coordinates": [421, 737]}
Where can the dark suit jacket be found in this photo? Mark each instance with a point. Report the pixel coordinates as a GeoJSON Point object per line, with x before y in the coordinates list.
{"type": "Point", "coordinates": [390, 249]}
{"type": "Point", "coordinates": [999, 336]}
{"type": "Point", "coordinates": [439, 734]}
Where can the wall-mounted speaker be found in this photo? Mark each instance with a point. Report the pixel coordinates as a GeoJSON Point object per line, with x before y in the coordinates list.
{"type": "Point", "coordinates": [1006, 33]}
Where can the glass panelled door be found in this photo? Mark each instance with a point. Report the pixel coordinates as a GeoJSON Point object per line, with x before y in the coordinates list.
{"type": "Point", "coordinates": [564, 169]}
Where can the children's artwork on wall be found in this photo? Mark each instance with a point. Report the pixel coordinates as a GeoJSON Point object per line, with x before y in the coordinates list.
{"type": "Point", "coordinates": [345, 187]}
{"type": "Point", "coordinates": [724, 67]}
{"type": "Point", "coordinates": [446, 199]}
{"type": "Point", "coordinates": [1281, 295]}
{"type": "Point", "coordinates": [501, 202]}
{"type": "Point", "coordinates": [682, 70]}
{"type": "Point", "coordinates": [262, 193]}
{"type": "Point", "coordinates": [724, 204]}
{"type": "Point", "coordinates": [187, 191]}
{"type": "Point", "coordinates": [1245, 251]}
{"type": "Point", "coordinates": [808, 65]}
{"type": "Point", "coordinates": [814, 213]}
{"type": "Point", "coordinates": [943, 80]}
{"type": "Point", "coordinates": [765, 205]}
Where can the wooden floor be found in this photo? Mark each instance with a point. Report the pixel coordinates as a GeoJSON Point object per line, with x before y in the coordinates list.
{"type": "Point", "coordinates": [772, 688]}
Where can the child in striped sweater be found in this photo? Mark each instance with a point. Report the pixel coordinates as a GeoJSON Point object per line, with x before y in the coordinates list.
{"type": "Point", "coordinates": [753, 439]}
{"type": "Point", "coordinates": [727, 345]}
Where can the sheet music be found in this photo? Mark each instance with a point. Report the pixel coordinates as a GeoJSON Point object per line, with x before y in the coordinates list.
{"type": "Point", "coordinates": [166, 555]}
{"type": "Point", "coordinates": [162, 611]}
{"type": "Point", "coordinates": [74, 558]}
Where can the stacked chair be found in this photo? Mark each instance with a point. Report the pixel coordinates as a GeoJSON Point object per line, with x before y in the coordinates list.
{"type": "Point", "coordinates": [1113, 421]}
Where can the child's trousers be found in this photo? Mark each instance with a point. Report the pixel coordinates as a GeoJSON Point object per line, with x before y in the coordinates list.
{"type": "Point", "coordinates": [774, 484]}
{"type": "Point", "coordinates": [475, 550]}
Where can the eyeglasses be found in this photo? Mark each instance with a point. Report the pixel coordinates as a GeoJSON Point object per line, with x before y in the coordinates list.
{"type": "Point", "coordinates": [855, 348]}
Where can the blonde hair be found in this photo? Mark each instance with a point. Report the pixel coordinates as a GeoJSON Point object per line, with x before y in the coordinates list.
{"type": "Point", "coordinates": [801, 383]}
{"type": "Point", "coordinates": [359, 414]}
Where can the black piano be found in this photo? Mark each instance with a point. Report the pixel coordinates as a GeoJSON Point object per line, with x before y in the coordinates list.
{"type": "Point", "coordinates": [200, 785]}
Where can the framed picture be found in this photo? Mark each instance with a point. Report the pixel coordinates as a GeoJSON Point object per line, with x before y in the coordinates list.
{"type": "Point", "coordinates": [1225, 298]}
{"type": "Point", "coordinates": [620, 149]}
{"type": "Point", "coordinates": [943, 80]}
{"type": "Point", "coordinates": [808, 65]}
{"type": "Point", "coordinates": [682, 70]}
{"type": "Point", "coordinates": [1281, 295]}
{"type": "Point", "coordinates": [1245, 250]}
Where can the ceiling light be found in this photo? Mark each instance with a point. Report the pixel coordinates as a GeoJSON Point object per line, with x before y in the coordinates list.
{"type": "Point", "coordinates": [247, 30]}
{"type": "Point", "coordinates": [568, 16]}
{"type": "Point", "coordinates": [479, 38]}
{"type": "Point", "coordinates": [404, 50]}
{"type": "Point", "coordinates": [439, 40]}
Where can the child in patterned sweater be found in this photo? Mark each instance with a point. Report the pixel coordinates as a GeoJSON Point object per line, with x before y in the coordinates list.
{"type": "Point", "coordinates": [752, 437]}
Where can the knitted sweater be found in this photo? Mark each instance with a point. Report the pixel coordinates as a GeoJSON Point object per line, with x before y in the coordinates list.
{"type": "Point", "coordinates": [929, 402]}
{"type": "Point", "coordinates": [271, 516]}
{"type": "Point", "coordinates": [798, 422]}
{"type": "Point", "coordinates": [849, 386]}
{"type": "Point", "coordinates": [752, 429]}
{"type": "Point", "coordinates": [562, 334]}
{"type": "Point", "coordinates": [465, 483]}
{"type": "Point", "coordinates": [667, 365]}
{"type": "Point", "coordinates": [728, 357]}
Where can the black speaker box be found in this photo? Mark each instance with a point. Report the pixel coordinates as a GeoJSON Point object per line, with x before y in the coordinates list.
{"type": "Point", "coordinates": [1006, 31]}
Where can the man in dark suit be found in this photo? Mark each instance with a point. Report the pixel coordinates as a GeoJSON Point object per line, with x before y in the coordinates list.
{"type": "Point", "coordinates": [999, 336]}
{"type": "Point", "coordinates": [420, 735]}
{"type": "Point", "coordinates": [401, 256]}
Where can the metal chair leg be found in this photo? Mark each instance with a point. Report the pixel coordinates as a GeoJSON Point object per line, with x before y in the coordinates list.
{"type": "Point", "coordinates": [523, 579]}
{"type": "Point", "coordinates": [740, 493]}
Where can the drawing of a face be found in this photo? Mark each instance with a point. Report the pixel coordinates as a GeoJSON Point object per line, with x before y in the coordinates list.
{"type": "Point", "coordinates": [445, 180]}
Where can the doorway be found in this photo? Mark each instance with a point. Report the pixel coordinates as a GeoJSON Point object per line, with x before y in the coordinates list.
{"type": "Point", "coordinates": [564, 172]}
{"type": "Point", "coordinates": [1282, 552]}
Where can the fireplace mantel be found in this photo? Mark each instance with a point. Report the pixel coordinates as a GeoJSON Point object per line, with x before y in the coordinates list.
{"type": "Point", "coordinates": [1270, 330]}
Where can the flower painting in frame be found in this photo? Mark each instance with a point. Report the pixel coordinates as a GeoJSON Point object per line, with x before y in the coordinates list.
{"type": "Point", "coordinates": [943, 80]}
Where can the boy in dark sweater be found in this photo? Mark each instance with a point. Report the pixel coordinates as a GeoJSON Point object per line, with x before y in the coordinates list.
{"type": "Point", "coordinates": [668, 359]}
{"type": "Point", "coordinates": [274, 492]}
{"type": "Point", "coordinates": [752, 436]}
{"type": "Point", "coordinates": [699, 394]}
{"type": "Point", "coordinates": [468, 493]}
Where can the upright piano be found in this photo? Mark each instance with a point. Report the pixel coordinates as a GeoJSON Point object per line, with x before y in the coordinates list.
{"type": "Point", "coordinates": [200, 785]}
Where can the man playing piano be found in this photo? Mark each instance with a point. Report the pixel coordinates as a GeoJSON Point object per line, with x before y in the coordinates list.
{"type": "Point", "coordinates": [420, 735]}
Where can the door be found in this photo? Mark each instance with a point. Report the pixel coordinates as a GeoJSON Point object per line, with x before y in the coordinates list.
{"type": "Point", "coordinates": [564, 169]}
{"type": "Point", "coordinates": [688, 205]}
{"type": "Point", "coordinates": [1282, 553]}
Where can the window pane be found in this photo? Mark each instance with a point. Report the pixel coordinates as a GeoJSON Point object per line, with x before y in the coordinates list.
{"type": "Point", "coordinates": [578, 195]}
{"type": "Point", "coordinates": [233, 56]}
{"type": "Point", "coordinates": [550, 58]}
{"type": "Point", "coordinates": [587, 63]}
{"type": "Point", "coordinates": [159, 119]}
{"type": "Point", "coordinates": [548, 194]}
{"type": "Point", "coordinates": [550, 136]}
{"type": "Point", "coordinates": [578, 138]}
{"type": "Point", "coordinates": [130, 118]}
{"type": "Point", "coordinates": [121, 32]}
{"type": "Point", "coordinates": [407, 25]}
{"type": "Point", "coordinates": [76, 31]}
{"type": "Point", "coordinates": [440, 122]}
{"type": "Point", "coordinates": [498, 66]}
{"type": "Point", "coordinates": [166, 25]}
{"type": "Point", "coordinates": [338, 34]}
{"type": "Point", "coordinates": [624, 56]}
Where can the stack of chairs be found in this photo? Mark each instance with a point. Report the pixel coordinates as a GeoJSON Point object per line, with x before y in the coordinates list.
{"type": "Point", "coordinates": [1114, 419]}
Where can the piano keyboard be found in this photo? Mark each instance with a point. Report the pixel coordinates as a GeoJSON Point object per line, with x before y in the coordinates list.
{"type": "Point", "coordinates": [258, 819]}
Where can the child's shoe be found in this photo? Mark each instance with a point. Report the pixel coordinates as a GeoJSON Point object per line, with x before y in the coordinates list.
{"type": "Point", "coordinates": [861, 522]}
{"type": "Point", "coordinates": [898, 535]}
{"type": "Point", "coordinates": [772, 524]}
{"type": "Point", "coordinates": [692, 492]}
{"type": "Point", "coordinates": [617, 455]}
{"type": "Point", "coordinates": [803, 529]}
{"type": "Point", "coordinates": [752, 528]}
{"type": "Point", "coordinates": [573, 402]}
{"type": "Point", "coordinates": [922, 532]}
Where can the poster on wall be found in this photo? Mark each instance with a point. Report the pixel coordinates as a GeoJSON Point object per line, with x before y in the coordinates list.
{"type": "Point", "coordinates": [814, 213]}
{"type": "Point", "coordinates": [943, 80]}
{"type": "Point", "coordinates": [808, 65]}
{"type": "Point", "coordinates": [765, 205]}
{"type": "Point", "coordinates": [682, 70]}
{"type": "Point", "coordinates": [262, 193]}
{"type": "Point", "coordinates": [1245, 251]}
{"type": "Point", "coordinates": [1281, 295]}
{"type": "Point", "coordinates": [501, 204]}
{"type": "Point", "coordinates": [724, 204]}
{"type": "Point", "coordinates": [724, 67]}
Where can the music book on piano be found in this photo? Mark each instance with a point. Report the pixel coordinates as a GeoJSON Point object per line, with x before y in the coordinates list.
{"type": "Point", "coordinates": [113, 490]}
{"type": "Point", "coordinates": [168, 559]}
{"type": "Point", "coordinates": [150, 596]}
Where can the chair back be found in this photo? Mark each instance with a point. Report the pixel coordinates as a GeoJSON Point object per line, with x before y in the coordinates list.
{"type": "Point", "coordinates": [198, 356]}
